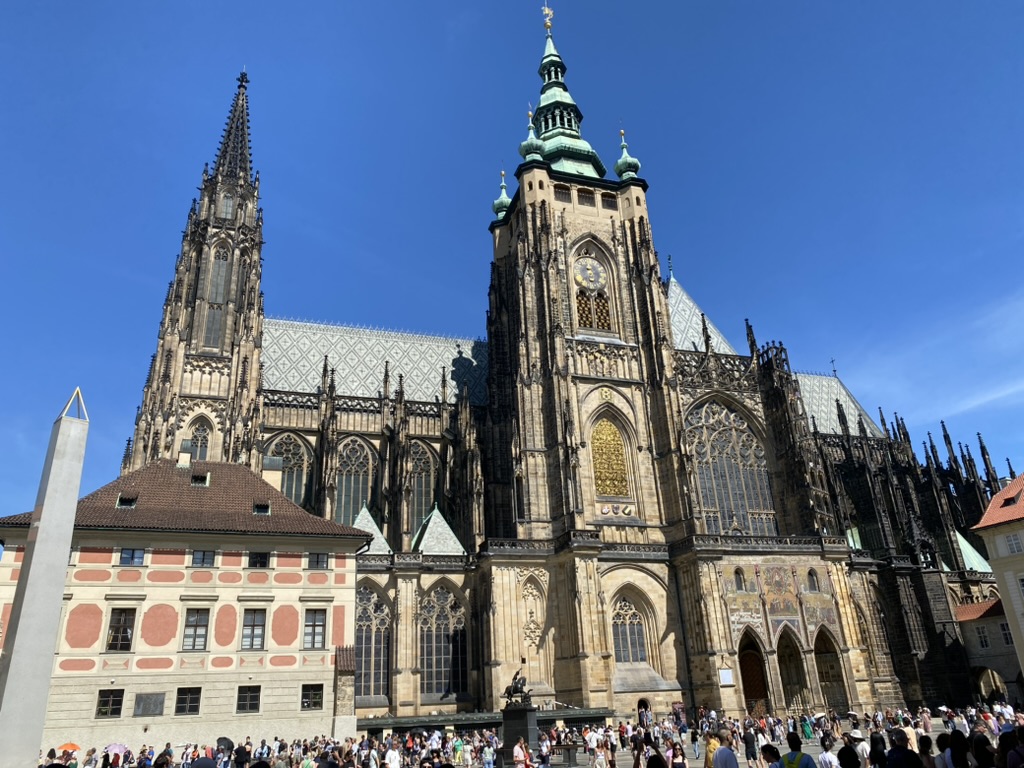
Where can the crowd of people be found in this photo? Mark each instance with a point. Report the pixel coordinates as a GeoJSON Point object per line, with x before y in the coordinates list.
{"type": "Point", "coordinates": [984, 737]}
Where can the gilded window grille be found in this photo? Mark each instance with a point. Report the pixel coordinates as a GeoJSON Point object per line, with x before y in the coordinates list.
{"type": "Point", "coordinates": [732, 472]}
{"type": "Point", "coordinates": [602, 312]}
{"type": "Point", "coordinates": [295, 460]}
{"type": "Point", "coordinates": [373, 644]}
{"type": "Point", "coordinates": [355, 465]}
{"type": "Point", "coordinates": [584, 310]}
{"type": "Point", "coordinates": [611, 475]}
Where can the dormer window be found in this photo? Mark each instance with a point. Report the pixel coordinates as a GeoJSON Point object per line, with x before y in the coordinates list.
{"type": "Point", "coordinates": [201, 481]}
{"type": "Point", "coordinates": [261, 508]}
{"type": "Point", "coordinates": [126, 502]}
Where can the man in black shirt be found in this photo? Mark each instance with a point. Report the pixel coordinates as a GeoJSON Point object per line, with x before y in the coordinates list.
{"type": "Point", "coordinates": [750, 747]}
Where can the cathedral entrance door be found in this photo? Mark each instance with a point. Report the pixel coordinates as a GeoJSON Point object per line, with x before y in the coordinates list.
{"type": "Point", "coordinates": [830, 673]}
{"type": "Point", "coordinates": [791, 670]}
{"type": "Point", "coordinates": [752, 676]}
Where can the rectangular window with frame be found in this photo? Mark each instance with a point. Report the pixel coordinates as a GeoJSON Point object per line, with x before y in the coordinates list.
{"type": "Point", "coordinates": [132, 556]}
{"type": "Point", "coordinates": [248, 699]}
{"type": "Point", "coordinates": [254, 622]}
{"type": "Point", "coordinates": [203, 558]}
{"type": "Point", "coordinates": [1004, 627]}
{"type": "Point", "coordinates": [121, 630]}
{"type": "Point", "coordinates": [187, 701]}
{"type": "Point", "coordinates": [313, 696]}
{"type": "Point", "coordinates": [259, 559]}
{"type": "Point", "coordinates": [586, 197]}
{"type": "Point", "coordinates": [197, 625]}
{"type": "Point", "coordinates": [1013, 544]}
{"type": "Point", "coordinates": [562, 194]}
{"type": "Point", "coordinates": [318, 561]}
{"type": "Point", "coordinates": [315, 634]}
{"type": "Point", "coordinates": [609, 202]}
{"type": "Point", "coordinates": [109, 702]}
{"type": "Point", "coordinates": [982, 633]}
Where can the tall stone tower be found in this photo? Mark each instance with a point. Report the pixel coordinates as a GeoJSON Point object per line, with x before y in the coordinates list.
{"type": "Point", "coordinates": [579, 453]}
{"type": "Point", "coordinates": [202, 391]}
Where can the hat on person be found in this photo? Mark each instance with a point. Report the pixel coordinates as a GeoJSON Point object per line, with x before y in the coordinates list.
{"type": "Point", "coordinates": [856, 734]}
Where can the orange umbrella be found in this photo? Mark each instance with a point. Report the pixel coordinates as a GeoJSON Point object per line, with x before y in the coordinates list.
{"type": "Point", "coordinates": [69, 747]}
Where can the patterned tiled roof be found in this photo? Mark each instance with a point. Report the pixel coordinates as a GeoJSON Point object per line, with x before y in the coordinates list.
{"type": "Point", "coordinates": [684, 315]}
{"type": "Point", "coordinates": [164, 497]}
{"type": "Point", "coordinates": [435, 537]}
{"type": "Point", "coordinates": [378, 544]}
{"type": "Point", "coordinates": [820, 393]}
{"type": "Point", "coordinates": [986, 609]}
{"type": "Point", "coordinates": [1006, 506]}
{"type": "Point", "coordinates": [293, 354]}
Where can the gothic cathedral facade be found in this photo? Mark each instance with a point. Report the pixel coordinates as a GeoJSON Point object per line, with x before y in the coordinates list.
{"type": "Point", "coordinates": [603, 493]}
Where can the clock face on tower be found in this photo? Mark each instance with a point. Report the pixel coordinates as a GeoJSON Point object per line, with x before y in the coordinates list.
{"type": "Point", "coordinates": [589, 274]}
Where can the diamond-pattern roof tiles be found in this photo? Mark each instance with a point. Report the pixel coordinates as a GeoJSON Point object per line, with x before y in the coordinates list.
{"type": "Point", "coordinates": [684, 315]}
{"type": "Point", "coordinates": [820, 393]}
{"type": "Point", "coordinates": [293, 354]}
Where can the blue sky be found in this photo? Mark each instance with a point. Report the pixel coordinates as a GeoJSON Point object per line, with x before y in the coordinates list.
{"type": "Point", "coordinates": [848, 175]}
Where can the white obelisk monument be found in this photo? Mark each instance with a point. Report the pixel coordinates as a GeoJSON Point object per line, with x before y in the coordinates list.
{"type": "Point", "coordinates": [31, 635]}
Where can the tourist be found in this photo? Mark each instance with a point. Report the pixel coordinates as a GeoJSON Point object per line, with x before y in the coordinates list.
{"type": "Point", "coordinates": [826, 759]}
{"type": "Point", "coordinates": [771, 756]}
{"type": "Point", "coordinates": [795, 758]}
{"type": "Point", "coordinates": [724, 756]}
{"type": "Point", "coordinates": [750, 746]}
{"type": "Point", "coordinates": [901, 755]}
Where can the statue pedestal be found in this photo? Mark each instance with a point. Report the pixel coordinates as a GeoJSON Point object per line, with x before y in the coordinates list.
{"type": "Point", "coordinates": [518, 720]}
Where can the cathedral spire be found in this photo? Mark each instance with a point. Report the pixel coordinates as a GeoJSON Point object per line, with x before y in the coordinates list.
{"type": "Point", "coordinates": [557, 119]}
{"type": "Point", "coordinates": [234, 157]}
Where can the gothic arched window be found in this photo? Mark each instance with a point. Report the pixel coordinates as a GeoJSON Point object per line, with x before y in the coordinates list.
{"type": "Point", "coordinates": [422, 468]}
{"type": "Point", "coordinates": [628, 632]}
{"type": "Point", "coordinates": [740, 579]}
{"type": "Point", "coordinates": [227, 206]}
{"type": "Point", "coordinates": [355, 466]}
{"type": "Point", "coordinates": [731, 471]}
{"type": "Point", "coordinates": [444, 659]}
{"type": "Point", "coordinates": [219, 272]}
{"type": "Point", "coordinates": [812, 581]}
{"type": "Point", "coordinates": [201, 440]}
{"type": "Point", "coordinates": [373, 644]}
{"type": "Point", "coordinates": [295, 461]}
{"type": "Point", "coordinates": [609, 454]}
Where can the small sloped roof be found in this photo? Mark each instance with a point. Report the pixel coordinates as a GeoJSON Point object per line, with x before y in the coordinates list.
{"type": "Point", "coordinates": [986, 609]}
{"type": "Point", "coordinates": [162, 497]}
{"type": "Point", "coordinates": [435, 537]}
{"type": "Point", "coordinates": [972, 557]}
{"type": "Point", "coordinates": [1007, 506]}
{"type": "Point", "coordinates": [820, 393]}
{"type": "Point", "coordinates": [378, 544]}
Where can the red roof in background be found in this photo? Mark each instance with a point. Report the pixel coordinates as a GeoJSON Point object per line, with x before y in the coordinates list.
{"type": "Point", "coordinates": [1006, 506]}
{"type": "Point", "coordinates": [165, 497]}
{"type": "Point", "coordinates": [986, 609]}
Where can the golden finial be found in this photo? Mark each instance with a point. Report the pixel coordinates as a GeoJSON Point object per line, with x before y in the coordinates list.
{"type": "Point", "coordinates": [548, 15]}
{"type": "Point", "coordinates": [622, 133]}
{"type": "Point", "coordinates": [502, 175]}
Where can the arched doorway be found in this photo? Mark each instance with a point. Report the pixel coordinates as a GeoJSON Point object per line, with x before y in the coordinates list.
{"type": "Point", "coordinates": [791, 670]}
{"type": "Point", "coordinates": [830, 673]}
{"type": "Point", "coordinates": [989, 685]}
{"type": "Point", "coordinates": [752, 676]}
{"type": "Point", "coordinates": [643, 713]}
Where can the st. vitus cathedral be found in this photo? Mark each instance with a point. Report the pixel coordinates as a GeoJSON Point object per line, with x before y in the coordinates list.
{"type": "Point", "coordinates": [603, 492]}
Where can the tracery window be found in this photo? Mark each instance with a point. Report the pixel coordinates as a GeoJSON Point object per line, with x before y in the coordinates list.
{"type": "Point", "coordinates": [444, 661]}
{"type": "Point", "coordinates": [609, 453]}
{"type": "Point", "coordinates": [355, 465]}
{"type": "Point", "coordinates": [295, 461]}
{"type": "Point", "coordinates": [227, 206]}
{"type": "Point", "coordinates": [732, 471]}
{"type": "Point", "coordinates": [373, 644]}
{"type": "Point", "coordinates": [628, 632]}
{"type": "Point", "coordinates": [421, 484]}
{"type": "Point", "coordinates": [200, 440]}
{"type": "Point", "coordinates": [219, 268]}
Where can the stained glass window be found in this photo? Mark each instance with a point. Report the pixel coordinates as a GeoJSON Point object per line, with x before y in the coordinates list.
{"type": "Point", "coordinates": [354, 469]}
{"type": "Point", "coordinates": [421, 481]}
{"type": "Point", "coordinates": [444, 667]}
{"type": "Point", "coordinates": [732, 471]}
{"type": "Point", "coordinates": [628, 633]}
{"type": "Point", "coordinates": [609, 452]}
{"type": "Point", "coordinates": [295, 461]}
{"type": "Point", "coordinates": [373, 644]}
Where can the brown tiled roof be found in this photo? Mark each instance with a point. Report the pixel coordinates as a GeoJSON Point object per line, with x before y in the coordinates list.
{"type": "Point", "coordinates": [347, 658]}
{"type": "Point", "coordinates": [986, 609]}
{"type": "Point", "coordinates": [1006, 506]}
{"type": "Point", "coordinates": [166, 499]}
